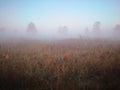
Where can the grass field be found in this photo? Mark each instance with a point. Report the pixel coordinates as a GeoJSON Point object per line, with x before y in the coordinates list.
{"type": "Point", "coordinates": [71, 64]}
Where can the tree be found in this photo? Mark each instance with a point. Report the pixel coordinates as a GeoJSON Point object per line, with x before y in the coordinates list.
{"type": "Point", "coordinates": [117, 28]}
{"type": "Point", "coordinates": [31, 28]}
{"type": "Point", "coordinates": [97, 26]}
{"type": "Point", "coordinates": [63, 29]}
{"type": "Point", "coordinates": [86, 30]}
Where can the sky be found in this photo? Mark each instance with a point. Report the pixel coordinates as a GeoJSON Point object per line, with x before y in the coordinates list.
{"type": "Point", "coordinates": [50, 14]}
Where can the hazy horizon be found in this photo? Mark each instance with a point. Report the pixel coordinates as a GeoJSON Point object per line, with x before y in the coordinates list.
{"type": "Point", "coordinates": [50, 14]}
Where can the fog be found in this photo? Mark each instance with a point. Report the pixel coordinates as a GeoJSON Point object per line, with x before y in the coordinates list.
{"type": "Point", "coordinates": [59, 19]}
{"type": "Point", "coordinates": [63, 34]}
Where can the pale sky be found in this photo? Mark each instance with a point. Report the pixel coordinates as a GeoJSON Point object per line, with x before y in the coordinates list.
{"type": "Point", "coordinates": [50, 14]}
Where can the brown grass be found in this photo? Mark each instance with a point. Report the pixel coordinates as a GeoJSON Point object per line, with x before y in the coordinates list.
{"type": "Point", "coordinates": [79, 64]}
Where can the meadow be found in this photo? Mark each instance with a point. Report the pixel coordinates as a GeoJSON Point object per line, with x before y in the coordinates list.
{"type": "Point", "coordinates": [69, 64]}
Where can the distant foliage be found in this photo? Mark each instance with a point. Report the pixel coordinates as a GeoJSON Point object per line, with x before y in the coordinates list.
{"type": "Point", "coordinates": [117, 28]}
{"type": "Point", "coordinates": [63, 29]}
{"type": "Point", "coordinates": [97, 26]}
{"type": "Point", "coordinates": [31, 28]}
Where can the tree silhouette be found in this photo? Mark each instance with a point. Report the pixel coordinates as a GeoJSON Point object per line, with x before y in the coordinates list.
{"type": "Point", "coordinates": [117, 28]}
{"type": "Point", "coordinates": [97, 26]}
{"type": "Point", "coordinates": [63, 29]}
{"type": "Point", "coordinates": [86, 30]}
{"type": "Point", "coordinates": [31, 28]}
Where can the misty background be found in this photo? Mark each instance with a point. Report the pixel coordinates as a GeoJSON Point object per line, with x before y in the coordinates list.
{"type": "Point", "coordinates": [60, 18]}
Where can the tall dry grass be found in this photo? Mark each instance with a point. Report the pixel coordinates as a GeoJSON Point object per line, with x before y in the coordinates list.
{"type": "Point", "coordinates": [79, 64]}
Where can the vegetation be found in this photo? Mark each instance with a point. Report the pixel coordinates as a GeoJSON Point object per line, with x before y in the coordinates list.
{"type": "Point", "coordinates": [73, 64]}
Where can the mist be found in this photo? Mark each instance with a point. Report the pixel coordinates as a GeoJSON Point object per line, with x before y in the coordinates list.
{"type": "Point", "coordinates": [59, 44]}
{"type": "Point", "coordinates": [62, 32]}
{"type": "Point", "coordinates": [59, 19]}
